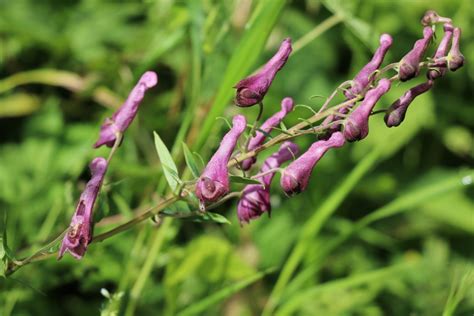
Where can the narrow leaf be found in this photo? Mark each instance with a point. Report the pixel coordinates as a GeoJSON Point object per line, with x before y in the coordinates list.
{"type": "Point", "coordinates": [190, 162]}
{"type": "Point", "coordinates": [169, 166]}
{"type": "Point", "coordinates": [243, 180]}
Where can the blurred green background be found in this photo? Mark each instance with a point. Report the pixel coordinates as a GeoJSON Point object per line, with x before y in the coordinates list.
{"type": "Point", "coordinates": [386, 226]}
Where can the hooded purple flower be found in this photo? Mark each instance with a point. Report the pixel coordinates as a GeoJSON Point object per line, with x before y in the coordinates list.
{"type": "Point", "coordinates": [214, 181]}
{"type": "Point", "coordinates": [357, 124]}
{"type": "Point", "coordinates": [287, 105]}
{"type": "Point", "coordinates": [80, 230]}
{"type": "Point", "coordinates": [251, 90]}
{"type": "Point", "coordinates": [441, 51]}
{"type": "Point", "coordinates": [410, 64]}
{"type": "Point", "coordinates": [255, 198]}
{"type": "Point", "coordinates": [396, 113]}
{"type": "Point", "coordinates": [431, 17]}
{"type": "Point", "coordinates": [295, 177]}
{"type": "Point", "coordinates": [124, 116]}
{"type": "Point", "coordinates": [455, 58]}
{"type": "Point", "coordinates": [365, 76]}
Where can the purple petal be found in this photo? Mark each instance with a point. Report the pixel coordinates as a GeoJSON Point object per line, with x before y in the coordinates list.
{"type": "Point", "coordinates": [124, 116]}
{"type": "Point", "coordinates": [251, 90]}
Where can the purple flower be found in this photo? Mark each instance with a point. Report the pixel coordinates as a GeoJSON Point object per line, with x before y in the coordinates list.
{"type": "Point", "coordinates": [255, 198]}
{"type": "Point", "coordinates": [365, 76]}
{"type": "Point", "coordinates": [455, 58]}
{"type": "Point", "coordinates": [79, 234]}
{"type": "Point", "coordinates": [409, 65]}
{"type": "Point", "coordinates": [251, 90]}
{"type": "Point", "coordinates": [431, 17]}
{"type": "Point", "coordinates": [287, 105]}
{"type": "Point", "coordinates": [124, 116]}
{"type": "Point", "coordinates": [214, 181]}
{"type": "Point", "coordinates": [357, 124]}
{"type": "Point", "coordinates": [296, 176]}
{"type": "Point", "coordinates": [441, 51]}
{"type": "Point", "coordinates": [396, 113]}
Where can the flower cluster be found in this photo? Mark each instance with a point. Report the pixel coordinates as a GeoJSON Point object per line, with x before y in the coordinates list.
{"type": "Point", "coordinates": [340, 125]}
{"type": "Point", "coordinates": [79, 234]}
{"type": "Point", "coordinates": [346, 123]}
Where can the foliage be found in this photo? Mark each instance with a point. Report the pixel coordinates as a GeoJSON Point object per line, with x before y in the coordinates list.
{"type": "Point", "coordinates": [386, 226]}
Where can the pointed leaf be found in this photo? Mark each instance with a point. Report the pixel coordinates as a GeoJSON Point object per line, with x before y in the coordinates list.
{"type": "Point", "coordinates": [190, 162]}
{"type": "Point", "coordinates": [243, 180]}
{"type": "Point", "coordinates": [169, 166]}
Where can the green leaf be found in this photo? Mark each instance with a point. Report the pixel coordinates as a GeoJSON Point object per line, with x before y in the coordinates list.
{"type": "Point", "coordinates": [218, 218]}
{"type": "Point", "coordinates": [222, 294]}
{"type": "Point", "coordinates": [190, 162]}
{"type": "Point", "coordinates": [169, 167]}
{"type": "Point", "coordinates": [243, 180]}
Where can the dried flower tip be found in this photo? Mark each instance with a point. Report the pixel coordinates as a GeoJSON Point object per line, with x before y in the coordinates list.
{"type": "Point", "coordinates": [255, 198]}
{"type": "Point", "coordinates": [296, 176]}
{"type": "Point", "coordinates": [409, 66]}
{"type": "Point", "coordinates": [396, 113]}
{"type": "Point", "coordinates": [124, 116]}
{"type": "Point", "coordinates": [80, 230]}
{"type": "Point", "coordinates": [441, 51]}
{"type": "Point", "coordinates": [365, 76]}
{"type": "Point", "coordinates": [214, 181]}
{"type": "Point", "coordinates": [431, 17]}
{"type": "Point", "coordinates": [455, 58]}
{"type": "Point", "coordinates": [251, 90]}
{"type": "Point", "coordinates": [287, 106]}
{"type": "Point", "coordinates": [357, 124]}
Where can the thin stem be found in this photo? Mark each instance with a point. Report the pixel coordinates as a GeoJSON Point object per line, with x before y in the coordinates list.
{"type": "Point", "coordinates": [117, 143]}
{"type": "Point", "coordinates": [140, 218]}
{"type": "Point", "coordinates": [317, 31]}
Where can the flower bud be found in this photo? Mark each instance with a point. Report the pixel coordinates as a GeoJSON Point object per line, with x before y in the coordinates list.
{"type": "Point", "coordinates": [287, 106]}
{"type": "Point", "coordinates": [295, 177]}
{"type": "Point", "coordinates": [251, 90]}
{"type": "Point", "coordinates": [79, 234]}
{"type": "Point", "coordinates": [124, 116]}
{"type": "Point", "coordinates": [214, 181]}
{"type": "Point", "coordinates": [365, 76]}
{"type": "Point", "coordinates": [441, 51]}
{"type": "Point", "coordinates": [410, 64]}
{"type": "Point", "coordinates": [396, 113]}
{"type": "Point", "coordinates": [255, 198]}
{"type": "Point", "coordinates": [455, 58]}
{"type": "Point", "coordinates": [357, 124]}
{"type": "Point", "coordinates": [431, 17]}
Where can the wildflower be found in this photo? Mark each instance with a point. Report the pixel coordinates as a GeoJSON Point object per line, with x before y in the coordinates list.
{"type": "Point", "coordinates": [255, 198]}
{"type": "Point", "coordinates": [295, 177]}
{"type": "Point", "coordinates": [431, 17]}
{"type": "Point", "coordinates": [441, 51]}
{"type": "Point", "coordinates": [251, 90]}
{"type": "Point", "coordinates": [79, 234]}
{"type": "Point", "coordinates": [214, 181]}
{"type": "Point", "coordinates": [357, 124]}
{"type": "Point", "coordinates": [409, 65]}
{"type": "Point", "coordinates": [455, 58]}
{"type": "Point", "coordinates": [124, 116]}
{"type": "Point", "coordinates": [365, 76]}
{"type": "Point", "coordinates": [287, 105]}
{"type": "Point", "coordinates": [396, 113]}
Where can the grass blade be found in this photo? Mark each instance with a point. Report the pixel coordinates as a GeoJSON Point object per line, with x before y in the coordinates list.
{"type": "Point", "coordinates": [224, 293]}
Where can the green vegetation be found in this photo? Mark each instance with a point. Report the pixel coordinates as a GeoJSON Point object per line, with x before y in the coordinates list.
{"type": "Point", "coordinates": [386, 226]}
